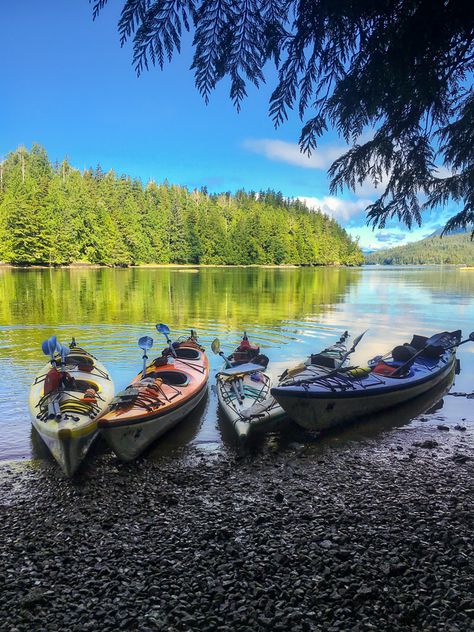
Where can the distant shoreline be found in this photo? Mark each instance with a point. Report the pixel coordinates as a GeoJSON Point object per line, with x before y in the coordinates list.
{"type": "Point", "coordinates": [179, 266]}
{"type": "Point", "coordinates": [195, 267]}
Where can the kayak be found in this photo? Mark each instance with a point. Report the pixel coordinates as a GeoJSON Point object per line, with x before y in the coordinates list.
{"type": "Point", "coordinates": [326, 401]}
{"type": "Point", "coordinates": [65, 405]}
{"type": "Point", "coordinates": [156, 401]}
{"type": "Point", "coordinates": [245, 352]}
{"type": "Point", "coordinates": [244, 389]}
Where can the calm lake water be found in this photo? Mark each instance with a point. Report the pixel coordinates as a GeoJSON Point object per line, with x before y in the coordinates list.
{"type": "Point", "coordinates": [290, 312]}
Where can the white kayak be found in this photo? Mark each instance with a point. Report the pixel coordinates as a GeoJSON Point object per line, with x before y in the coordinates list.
{"type": "Point", "coordinates": [244, 390]}
{"type": "Point", "coordinates": [322, 402]}
{"type": "Point", "coordinates": [65, 405]}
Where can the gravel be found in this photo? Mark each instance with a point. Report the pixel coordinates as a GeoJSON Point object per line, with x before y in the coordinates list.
{"type": "Point", "coordinates": [372, 535]}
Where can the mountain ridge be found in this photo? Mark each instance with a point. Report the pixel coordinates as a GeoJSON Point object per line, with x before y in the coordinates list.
{"type": "Point", "coordinates": [455, 248]}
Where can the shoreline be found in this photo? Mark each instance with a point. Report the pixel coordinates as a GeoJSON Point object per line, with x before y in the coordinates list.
{"type": "Point", "coordinates": [144, 266]}
{"type": "Point", "coordinates": [374, 534]}
{"type": "Point", "coordinates": [198, 266]}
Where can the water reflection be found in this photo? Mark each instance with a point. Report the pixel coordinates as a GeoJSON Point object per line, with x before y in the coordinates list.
{"type": "Point", "coordinates": [290, 312]}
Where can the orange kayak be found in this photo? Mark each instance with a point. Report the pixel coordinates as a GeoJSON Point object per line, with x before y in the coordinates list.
{"type": "Point", "coordinates": [173, 385]}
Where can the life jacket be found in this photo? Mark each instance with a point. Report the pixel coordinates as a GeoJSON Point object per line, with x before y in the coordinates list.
{"type": "Point", "coordinates": [52, 380]}
{"type": "Point", "coordinates": [245, 345]}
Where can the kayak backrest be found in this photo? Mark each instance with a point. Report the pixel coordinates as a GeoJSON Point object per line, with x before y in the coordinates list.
{"type": "Point", "coordinates": [403, 353]}
{"type": "Point", "coordinates": [418, 342]}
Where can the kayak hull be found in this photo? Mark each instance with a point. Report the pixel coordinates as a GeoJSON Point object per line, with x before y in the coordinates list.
{"type": "Point", "coordinates": [129, 441]}
{"type": "Point", "coordinates": [69, 437]}
{"type": "Point", "coordinates": [68, 451]}
{"type": "Point", "coordinates": [171, 389]}
{"type": "Point", "coordinates": [316, 410]}
{"type": "Point", "coordinates": [254, 414]}
{"type": "Point", "coordinates": [259, 411]}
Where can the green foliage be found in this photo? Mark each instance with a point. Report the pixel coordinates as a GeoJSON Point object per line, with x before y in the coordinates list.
{"type": "Point", "coordinates": [57, 215]}
{"type": "Point", "coordinates": [403, 68]}
{"type": "Point", "coordinates": [432, 250]}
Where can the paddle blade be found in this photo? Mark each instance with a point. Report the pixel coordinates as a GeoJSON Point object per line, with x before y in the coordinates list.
{"type": "Point", "coordinates": [216, 346]}
{"type": "Point", "coordinates": [45, 347]}
{"type": "Point", "coordinates": [471, 336]}
{"type": "Point", "coordinates": [145, 343]}
{"type": "Point", "coordinates": [64, 352]}
{"type": "Point", "coordinates": [53, 343]}
{"type": "Point", "coordinates": [163, 329]}
{"type": "Point", "coordinates": [358, 339]}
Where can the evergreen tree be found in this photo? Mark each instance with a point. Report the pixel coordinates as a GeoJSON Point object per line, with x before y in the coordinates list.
{"type": "Point", "coordinates": [59, 215]}
{"type": "Point", "coordinates": [403, 69]}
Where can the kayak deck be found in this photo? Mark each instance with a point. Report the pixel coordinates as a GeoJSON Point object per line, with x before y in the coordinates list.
{"type": "Point", "coordinates": [153, 404]}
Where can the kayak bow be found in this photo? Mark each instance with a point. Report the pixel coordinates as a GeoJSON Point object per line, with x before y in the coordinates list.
{"type": "Point", "coordinates": [65, 405]}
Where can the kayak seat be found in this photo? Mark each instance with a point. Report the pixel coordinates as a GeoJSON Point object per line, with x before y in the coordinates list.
{"type": "Point", "coordinates": [173, 378]}
{"type": "Point", "coordinates": [403, 353]}
{"type": "Point", "coordinates": [320, 359]}
{"type": "Point", "coordinates": [187, 354]}
{"type": "Point", "coordinates": [429, 351]}
{"type": "Point", "coordinates": [83, 385]}
{"type": "Point", "coordinates": [79, 358]}
{"type": "Point", "coordinates": [418, 342]}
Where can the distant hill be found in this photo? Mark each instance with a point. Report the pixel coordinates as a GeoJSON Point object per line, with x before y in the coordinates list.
{"type": "Point", "coordinates": [456, 231]}
{"type": "Point", "coordinates": [454, 249]}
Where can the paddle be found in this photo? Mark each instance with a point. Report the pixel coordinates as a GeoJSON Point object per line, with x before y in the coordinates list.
{"type": "Point", "coordinates": [49, 347]}
{"type": "Point", "coordinates": [64, 351]}
{"type": "Point", "coordinates": [339, 369]}
{"type": "Point", "coordinates": [145, 343]}
{"type": "Point", "coordinates": [165, 330]}
{"type": "Point", "coordinates": [434, 341]}
{"type": "Point", "coordinates": [353, 348]}
{"type": "Point", "coordinates": [216, 348]}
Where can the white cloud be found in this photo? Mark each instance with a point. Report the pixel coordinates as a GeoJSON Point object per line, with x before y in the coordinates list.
{"type": "Point", "coordinates": [281, 151]}
{"type": "Point", "coordinates": [390, 237]}
{"type": "Point", "coordinates": [369, 189]}
{"type": "Point", "coordinates": [321, 158]}
{"type": "Point", "coordinates": [340, 209]}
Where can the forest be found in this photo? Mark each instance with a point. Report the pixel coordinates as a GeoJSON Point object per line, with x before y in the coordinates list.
{"type": "Point", "coordinates": [454, 249]}
{"type": "Point", "coordinates": [54, 214]}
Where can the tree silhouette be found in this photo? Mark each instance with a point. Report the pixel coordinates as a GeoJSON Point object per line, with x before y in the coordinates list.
{"type": "Point", "coordinates": [393, 77]}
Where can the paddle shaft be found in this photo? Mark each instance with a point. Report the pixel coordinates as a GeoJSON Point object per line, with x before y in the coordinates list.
{"type": "Point", "coordinates": [429, 343]}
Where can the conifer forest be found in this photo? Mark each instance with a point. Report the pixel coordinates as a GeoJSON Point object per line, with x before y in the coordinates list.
{"type": "Point", "coordinates": [55, 214]}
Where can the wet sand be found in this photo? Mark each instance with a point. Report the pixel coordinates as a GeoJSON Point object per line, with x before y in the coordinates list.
{"type": "Point", "coordinates": [375, 534]}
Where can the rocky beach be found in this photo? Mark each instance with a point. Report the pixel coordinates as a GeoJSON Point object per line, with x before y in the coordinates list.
{"type": "Point", "coordinates": [374, 534]}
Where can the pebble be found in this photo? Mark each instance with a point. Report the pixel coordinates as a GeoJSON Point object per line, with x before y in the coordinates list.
{"type": "Point", "coordinates": [360, 538]}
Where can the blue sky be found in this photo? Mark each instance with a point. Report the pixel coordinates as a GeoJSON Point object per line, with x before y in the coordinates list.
{"type": "Point", "coordinates": [69, 86]}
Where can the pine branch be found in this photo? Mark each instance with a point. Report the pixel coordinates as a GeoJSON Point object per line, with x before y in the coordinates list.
{"type": "Point", "coordinates": [159, 35]}
{"type": "Point", "coordinates": [213, 26]}
{"type": "Point", "coordinates": [98, 5]}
